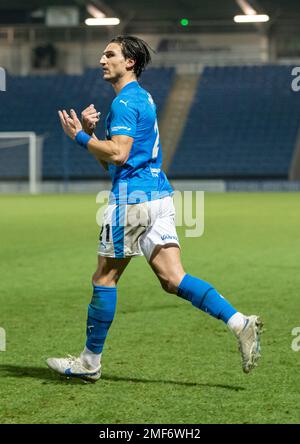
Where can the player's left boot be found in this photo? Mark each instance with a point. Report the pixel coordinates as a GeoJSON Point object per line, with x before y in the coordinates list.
{"type": "Point", "coordinates": [249, 342]}
{"type": "Point", "coordinates": [74, 367]}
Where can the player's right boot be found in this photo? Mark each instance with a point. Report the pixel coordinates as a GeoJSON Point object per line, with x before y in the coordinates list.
{"type": "Point", "coordinates": [74, 367]}
{"type": "Point", "coordinates": [249, 342]}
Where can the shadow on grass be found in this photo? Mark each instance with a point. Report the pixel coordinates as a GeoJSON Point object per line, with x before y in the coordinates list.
{"type": "Point", "coordinates": [149, 308]}
{"type": "Point", "coordinates": [235, 388]}
{"type": "Point", "coordinates": [49, 376]}
{"type": "Point", "coordinates": [42, 373]}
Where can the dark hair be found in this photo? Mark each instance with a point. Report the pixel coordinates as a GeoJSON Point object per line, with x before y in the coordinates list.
{"type": "Point", "coordinates": [136, 49]}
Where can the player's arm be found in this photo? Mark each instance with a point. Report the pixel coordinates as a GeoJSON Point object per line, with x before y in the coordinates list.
{"type": "Point", "coordinates": [102, 162]}
{"type": "Point", "coordinates": [123, 123]}
{"type": "Point", "coordinates": [89, 119]}
{"type": "Point", "coordinates": [114, 151]}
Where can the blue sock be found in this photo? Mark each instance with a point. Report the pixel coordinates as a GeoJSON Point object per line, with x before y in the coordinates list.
{"type": "Point", "coordinates": [203, 295]}
{"type": "Point", "coordinates": [101, 313]}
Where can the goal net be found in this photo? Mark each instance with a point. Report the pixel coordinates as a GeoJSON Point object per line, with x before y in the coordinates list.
{"type": "Point", "coordinates": [21, 159]}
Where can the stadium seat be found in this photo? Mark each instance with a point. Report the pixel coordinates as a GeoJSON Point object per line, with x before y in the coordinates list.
{"type": "Point", "coordinates": [243, 123]}
{"type": "Point", "coordinates": [31, 104]}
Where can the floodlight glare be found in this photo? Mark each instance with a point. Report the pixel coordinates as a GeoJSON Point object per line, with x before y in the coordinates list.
{"type": "Point", "coordinates": [104, 21]}
{"type": "Point", "coordinates": [251, 18]}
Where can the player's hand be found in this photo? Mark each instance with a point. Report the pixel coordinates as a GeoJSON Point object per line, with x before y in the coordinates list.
{"type": "Point", "coordinates": [89, 118]}
{"type": "Point", "coordinates": [70, 123]}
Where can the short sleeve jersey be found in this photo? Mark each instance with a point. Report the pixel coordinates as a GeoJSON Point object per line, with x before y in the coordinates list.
{"type": "Point", "coordinates": [133, 113]}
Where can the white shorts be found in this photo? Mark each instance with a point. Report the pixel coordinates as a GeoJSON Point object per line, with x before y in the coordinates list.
{"type": "Point", "coordinates": [135, 230]}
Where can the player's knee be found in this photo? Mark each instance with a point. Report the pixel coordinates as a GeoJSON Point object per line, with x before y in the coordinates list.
{"type": "Point", "coordinates": [108, 280]}
{"type": "Point", "coordinates": [171, 281]}
{"type": "Point", "coordinates": [169, 285]}
{"type": "Point", "coordinates": [104, 282]}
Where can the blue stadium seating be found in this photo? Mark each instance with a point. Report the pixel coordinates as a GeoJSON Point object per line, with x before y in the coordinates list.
{"type": "Point", "coordinates": [243, 123]}
{"type": "Point", "coordinates": [31, 103]}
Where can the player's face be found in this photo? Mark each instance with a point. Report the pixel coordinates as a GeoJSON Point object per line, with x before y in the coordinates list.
{"type": "Point", "coordinates": [113, 63]}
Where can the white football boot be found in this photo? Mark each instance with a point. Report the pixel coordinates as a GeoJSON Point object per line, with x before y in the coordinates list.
{"type": "Point", "coordinates": [249, 342]}
{"type": "Point", "coordinates": [74, 367]}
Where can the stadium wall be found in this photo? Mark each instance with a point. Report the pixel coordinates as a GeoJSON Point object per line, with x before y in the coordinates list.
{"type": "Point", "coordinates": [187, 52]}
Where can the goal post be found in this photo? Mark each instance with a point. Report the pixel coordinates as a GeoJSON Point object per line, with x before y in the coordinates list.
{"type": "Point", "coordinates": [13, 139]}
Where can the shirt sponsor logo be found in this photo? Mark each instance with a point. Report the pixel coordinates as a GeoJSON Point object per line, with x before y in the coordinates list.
{"type": "Point", "coordinates": [168, 237]}
{"type": "Point", "coordinates": [117, 128]}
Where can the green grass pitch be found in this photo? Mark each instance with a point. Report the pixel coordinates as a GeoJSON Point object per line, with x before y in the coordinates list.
{"type": "Point", "coordinates": [164, 361]}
